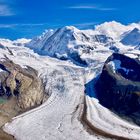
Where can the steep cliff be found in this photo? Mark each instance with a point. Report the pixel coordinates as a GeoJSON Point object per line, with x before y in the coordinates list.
{"type": "Point", "coordinates": [118, 87]}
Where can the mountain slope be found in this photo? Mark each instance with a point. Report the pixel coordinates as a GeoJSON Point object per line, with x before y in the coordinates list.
{"type": "Point", "coordinates": [59, 117]}
{"type": "Point", "coordinates": [132, 38]}
{"type": "Point", "coordinates": [79, 46]}
{"type": "Point", "coordinates": [115, 29]}
{"type": "Point", "coordinates": [70, 43]}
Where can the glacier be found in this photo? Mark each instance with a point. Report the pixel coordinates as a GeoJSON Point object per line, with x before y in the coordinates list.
{"type": "Point", "coordinates": [67, 59]}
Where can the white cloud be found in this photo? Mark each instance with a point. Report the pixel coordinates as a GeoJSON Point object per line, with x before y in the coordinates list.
{"type": "Point", "coordinates": [7, 7]}
{"type": "Point", "coordinates": [5, 10]}
{"type": "Point", "coordinates": [7, 25]}
{"type": "Point", "coordinates": [92, 7]}
{"type": "Point", "coordinates": [85, 25]}
{"type": "Point", "coordinates": [21, 25]}
{"type": "Point", "coordinates": [32, 24]}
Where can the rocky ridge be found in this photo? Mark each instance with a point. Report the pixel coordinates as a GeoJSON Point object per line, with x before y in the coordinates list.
{"type": "Point", "coordinates": [118, 87]}
{"type": "Point", "coordinates": [20, 90]}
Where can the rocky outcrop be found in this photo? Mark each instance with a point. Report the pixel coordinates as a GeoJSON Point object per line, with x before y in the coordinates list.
{"type": "Point", "coordinates": [21, 83]}
{"type": "Point", "coordinates": [20, 90]}
{"type": "Point", "coordinates": [118, 87]}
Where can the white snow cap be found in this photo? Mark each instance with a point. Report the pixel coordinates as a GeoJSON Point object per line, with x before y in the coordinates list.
{"type": "Point", "coordinates": [115, 29]}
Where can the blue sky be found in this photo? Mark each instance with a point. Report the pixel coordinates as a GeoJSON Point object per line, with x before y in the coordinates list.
{"type": "Point", "coordinates": [28, 18]}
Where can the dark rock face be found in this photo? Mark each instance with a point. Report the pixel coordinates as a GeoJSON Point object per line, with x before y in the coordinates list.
{"type": "Point", "coordinates": [114, 49]}
{"type": "Point", "coordinates": [118, 87]}
{"type": "Point", "coordinates": [76, 57]}
{"type": "Point", "coordinates": [20, 90]}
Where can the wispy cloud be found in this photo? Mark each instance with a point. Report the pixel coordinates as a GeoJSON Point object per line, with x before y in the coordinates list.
{"type": "Point", "coordinates": [5, 10]}
{"type": "Point", "coordinates": [21, 25]}
{"type": "Point", "coordinates": [92, 7]}
{"type": "Point", "coordinates": [6, 25]}
{"type": "Point", "coordinates": [7, 7]}
{"type": "Point", "coordinates": [85, 25]}
{"type": "Point", "coordinates": [31, 24]}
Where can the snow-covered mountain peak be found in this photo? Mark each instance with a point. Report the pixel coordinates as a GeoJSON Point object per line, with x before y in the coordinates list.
{"type": "Point", "coordinates": [136, 30]}
{"type": "Point", "coordinates": [69, 43]}
{"type": "Point", "coordinates": [113, 29]}
{"type": "Point", "coordinates": [55, 39]}
{"type": "Point", "coordinates": [71, 28]}
{"type": "Point", "coordinates": [72, 43]}
{"type": "Point", "coordinates": [112, 24]}
{"type": "Point", "coordinates": [132, 38]}
{"type": "Point", "coordinates": [67, 30]}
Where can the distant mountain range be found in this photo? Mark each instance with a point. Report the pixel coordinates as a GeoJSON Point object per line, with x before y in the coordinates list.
{"type": "Point", "coordinates": [71, 43]}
